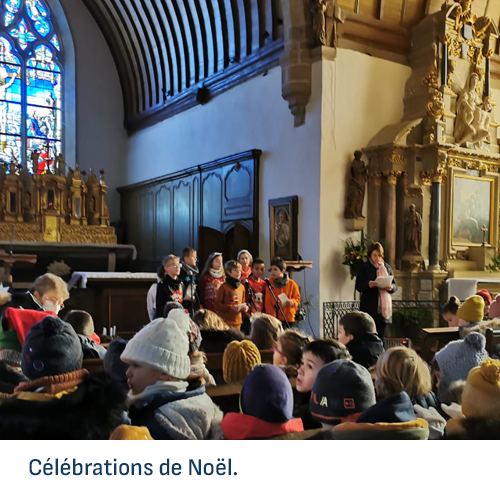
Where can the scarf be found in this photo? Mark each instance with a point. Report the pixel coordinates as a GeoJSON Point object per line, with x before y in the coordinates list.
{"type": "Point", "coordinates": [281, 282]}
{"type": "Point", "coordinates": [385, 300]}
{"type": "Point", "coordinates": [215, 273]}
{"type": "Point", "coordinates": [53, 384]}
{"type": "Point", "coordinates": [193, 269]}
{"type": "Point", "coordinates": [232, 282]}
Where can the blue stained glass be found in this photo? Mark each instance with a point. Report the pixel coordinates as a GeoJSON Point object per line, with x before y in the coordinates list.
{"type": "Point", "coordinates": [12, 6]}
{"type": "Point", "coordinates": [38, 14]}
{"type": "Point", "coordinates": [8, 18]}
{"type": "Point", "coordinates": [6, 54]}
{"type": "Point", "coordinates": [55, 42]}
{"type": "Point", "coordinates": [23, 34]}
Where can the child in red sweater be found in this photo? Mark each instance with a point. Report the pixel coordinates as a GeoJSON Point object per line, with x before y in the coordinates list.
{"type": "Point", "coordinates": [212, 278]}
{"type": "Point", "coordinates": [258, 286]}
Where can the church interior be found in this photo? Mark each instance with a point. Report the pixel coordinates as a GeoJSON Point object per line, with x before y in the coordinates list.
{"type": "Point", "coordinates": [140, 135]}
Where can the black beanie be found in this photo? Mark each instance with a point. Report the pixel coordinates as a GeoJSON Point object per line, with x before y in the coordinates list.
{"type": "Point", "coordinates": [342, 388]}
{"type": "Point", "coordinates": [51, 348]}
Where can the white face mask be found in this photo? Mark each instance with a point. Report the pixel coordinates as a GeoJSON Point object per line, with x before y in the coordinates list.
{"type": "Point", "coordinates": [50, 306]}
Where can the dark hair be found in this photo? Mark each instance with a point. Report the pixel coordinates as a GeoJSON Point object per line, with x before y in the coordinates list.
{"type": "Point", "coordinates": [208, 264]}
{"type": "Point", "coordinates": [327, 350]}
{"type": "Point", "coordinates": [161, 272]}
{"type": "Point", "coordinates": [81, 321]}
{"type": "Point", "coordinates": [257, 261]}
{"type": "Point", "coordinates": [278, 262]}
{"type": "Point", "coordinates": [291, 343]}
{"type": "Point", "coordinates": [358, 323]}
{"type": "Point", "coordinates": [451, 306]}
{"type": "Point", "coordinates": [375, 246]}
{"type": "Point", "coordinates": [186, 252]}
{"type": "Point", "coordinates": [169, 306]}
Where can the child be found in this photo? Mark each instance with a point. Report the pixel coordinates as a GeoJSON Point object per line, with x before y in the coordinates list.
{"type": "Point", "coordinates": [487, 301]}
{"type": "Point", "coordinates": [239, 360]}
{"type": "Point", "coordinates": [358, 332]}
{"type": "Point", "coordinates": [245, 259]}
{"type": "Point", "coordinates": [456, 359]}
{"type": "Point", "coordinates": [151, 296]}
{"type": "Point", "coordinates": [266, 407]}
{"type": "Point", "coordinates": [315, 355]}
{"type": "Point", "coordinates": [282, 285]}
{"type": "Point", "coordinates": [189, 276]}
{"type": "Point", "coordinates": [264, 331]}
{"type": "Point", "coordinates": [470, 313]}
{"type": "Point", "coordinates": [83, 324]}
{"type": "Point", "coordinates": [170, 289]}
{"type": "Point", "coordinates": [288, 351]}
{"type": "Point", "coordinates": [343, 389]}
{"type": "Point", "coordinates": [159, 398]}
{"type": "Point", "coordinates": [212, 278]}
{"type": "Point", "coordinates": [61, 401]}
{"type": "Point", "coordinates": [449, 311]}
{"type": "Point", "coordinates": [230, 296]}
{"type": "Point", "coordinates": [257, 285]}
{"type": "Point", "coordinates": [402, 369]}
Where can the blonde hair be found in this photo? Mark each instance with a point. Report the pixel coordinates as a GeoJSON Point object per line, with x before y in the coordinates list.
{"type": "Point", "coordinates": [264, 330]}
{"type": "Point", "coordinates": [208, 320]}
{"type": "Point", "coordinates": [402, 369]}
{"type": "Point", "coordinates": [48, 282]}
{"type": "Point", "coordinates": [168, 258]}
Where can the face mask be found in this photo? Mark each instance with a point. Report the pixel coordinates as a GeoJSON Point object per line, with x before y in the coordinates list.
{"type": "Point", "coordinates": [50, 306]}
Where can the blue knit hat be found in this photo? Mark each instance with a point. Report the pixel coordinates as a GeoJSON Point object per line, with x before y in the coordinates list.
{"type": "Point", "coordinates": [342, 388]}
{"type": "Point", "coordinates": [267, 394]}
{"type": "Point", "coordinates": [457, 359]}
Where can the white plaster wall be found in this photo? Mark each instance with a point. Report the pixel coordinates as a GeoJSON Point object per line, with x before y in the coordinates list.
{"type": "Point", "coordinates": [101, 139]}
{"type": "Point", "coordinates": [250, 116]}
{"type": "Point", "coordinates": [361, 95]}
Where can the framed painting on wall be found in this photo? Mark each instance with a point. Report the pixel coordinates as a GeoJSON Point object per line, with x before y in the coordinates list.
{"type": "Point", "coordinates": [473, 210]}
{"type": "Point", "coordinates": [283, 227]}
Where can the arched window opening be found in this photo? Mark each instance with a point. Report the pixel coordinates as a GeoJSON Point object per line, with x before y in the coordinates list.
{"type": "Point", "coordinates": [30, 86]}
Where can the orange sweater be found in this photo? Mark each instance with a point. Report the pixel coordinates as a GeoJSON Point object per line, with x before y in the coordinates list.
{"type": "Point", "coordinates": [227, 296]}
{"type": "Point", "coordinates": [291, 290]}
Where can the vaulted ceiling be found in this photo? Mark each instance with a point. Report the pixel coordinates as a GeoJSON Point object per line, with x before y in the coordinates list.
{"type": "Point", "coordinates": [174, 54]}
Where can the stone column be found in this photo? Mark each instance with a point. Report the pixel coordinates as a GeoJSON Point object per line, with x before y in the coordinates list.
{"type": "Point", "coordinates": [391, 178]}
{"type": "Point", "coordinates": [435, 226]}
{"type": "Point", "coordinates": [374, 206]}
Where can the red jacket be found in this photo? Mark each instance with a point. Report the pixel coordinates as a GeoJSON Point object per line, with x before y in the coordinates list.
{"type": "Point", "coordinates": [239, 426]}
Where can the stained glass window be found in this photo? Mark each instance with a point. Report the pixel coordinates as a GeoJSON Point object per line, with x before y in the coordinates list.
{"type": "Point", "coordinates": [30, 85]}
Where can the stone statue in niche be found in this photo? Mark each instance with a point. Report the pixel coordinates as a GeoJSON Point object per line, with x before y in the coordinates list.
{"type": "Point", "coordinates": [324, 22]}
{"type": "Point", "coordinates": [481, 124]}
{"type": "Point", "coordinates": [356, 188]}
{"type": "Point", "coordinates": [413, 232]}
{"type": "Point", "coordinates": [467, 104]}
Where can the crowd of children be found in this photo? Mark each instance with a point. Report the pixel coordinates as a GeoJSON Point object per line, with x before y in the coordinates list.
{"type": "Point", "coordinates": [158, 386]}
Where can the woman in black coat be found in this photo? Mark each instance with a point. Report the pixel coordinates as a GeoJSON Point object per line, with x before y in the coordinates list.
{"type": "Point", "coordinates": [370, 292]}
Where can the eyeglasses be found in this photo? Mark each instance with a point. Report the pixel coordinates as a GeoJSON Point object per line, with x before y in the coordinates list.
{"type": "Point", "coordinates": [53, 301]}
{"type": "Point", "coordinates": [177, 266]}
{"type": "Point", "coordinates": [275, 349]}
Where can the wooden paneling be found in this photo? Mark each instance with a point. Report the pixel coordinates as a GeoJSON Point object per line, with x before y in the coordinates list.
{"type": "Point", "coordinates": [164, 215]}
{"type": "Point", "coordinates": [164, 48]}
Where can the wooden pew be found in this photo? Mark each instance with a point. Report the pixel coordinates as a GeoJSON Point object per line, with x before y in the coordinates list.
{"type": "Point", "coordinates": [434, 339]}
{"type": "Point", "coordinates": [492, 341]}
{"type": "Point", "coordinates": [93, 365]}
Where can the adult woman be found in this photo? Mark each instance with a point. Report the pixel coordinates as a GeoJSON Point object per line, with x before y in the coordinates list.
{"type": "Point", "coordinates": [376, 301]}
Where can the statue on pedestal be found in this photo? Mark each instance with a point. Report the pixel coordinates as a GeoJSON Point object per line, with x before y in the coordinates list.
{"type": "Point", "coordinates": [356, 188]}
{"type": "Point", "coordinates": [467, 104]}
{"type": "Point", "coordinates": [413, 232]}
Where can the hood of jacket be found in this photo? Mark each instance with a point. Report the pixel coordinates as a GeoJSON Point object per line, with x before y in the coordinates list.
{"type": "Point", "coordinates": [91, 410]}
{"type": "Point", "coordinates": [396, 408]}
{"type": "Point", "coordinates": [240, 426]}
{"type": "Point", "coordinates": [481, 327]}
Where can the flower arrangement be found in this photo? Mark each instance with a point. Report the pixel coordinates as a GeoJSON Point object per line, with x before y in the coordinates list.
{"type": "Point", "coordinates": [494, 267]}
{"type": "Point", "coordinates": [355, 253]}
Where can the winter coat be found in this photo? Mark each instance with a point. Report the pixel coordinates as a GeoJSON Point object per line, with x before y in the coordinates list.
{"type": "Point", "coordinates": [72, 406]}
{"type": "Point", "coordinates": [291, 290]}
{"type": "Point", "coordinates": [170, 412]}
{"type": "Point", "coordinates": [481, 327]}
{"type": "Point", "coordinates": [10, 378]}
{"type": "Point", "coordinates": [365, 349]}
{"type": "Point", "coordinates": [240, 426]}
{"type": "Point", "coordinates": [91, 349]}
{"type": "Point", "coordinates": [168, 290]}
{"type": "Point", "coordinates": [370, 296]}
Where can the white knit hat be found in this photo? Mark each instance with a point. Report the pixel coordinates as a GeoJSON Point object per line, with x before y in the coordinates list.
{"type": "Point", "coordinates": [162, 345]}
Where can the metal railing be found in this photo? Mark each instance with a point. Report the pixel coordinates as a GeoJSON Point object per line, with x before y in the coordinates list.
{"type": "Point", "coordinates": [429, 311]}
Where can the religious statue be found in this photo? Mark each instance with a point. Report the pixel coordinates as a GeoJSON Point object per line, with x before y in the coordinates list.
{"type": "Point", "coordinates": [413, 232]}
{"type": "Point", "coordinates": [356, 188]}
{"type": "Point", "coordinates": [481, 123]}
{"type": "Point", "coordinates": [324, 22]}
{"type": "Point", "coordinates": [435, 108]}
{"type": "Point", "coordinates": [35, 158]}
{"type": "Point", "coordinates": [466, 109]}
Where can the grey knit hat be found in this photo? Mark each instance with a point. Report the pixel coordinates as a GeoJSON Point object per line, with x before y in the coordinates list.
{"type": "Point", "coordinates": [162, 345]}
{"type": "Point", "coordinates": [457, 358]}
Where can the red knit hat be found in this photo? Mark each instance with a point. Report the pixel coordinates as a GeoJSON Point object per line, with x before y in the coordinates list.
{"type": "Point", "coordinates": [485, 295]}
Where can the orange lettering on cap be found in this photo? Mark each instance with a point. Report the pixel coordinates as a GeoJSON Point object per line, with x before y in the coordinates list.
{"type": "Point", "coordinates": [349, 404]}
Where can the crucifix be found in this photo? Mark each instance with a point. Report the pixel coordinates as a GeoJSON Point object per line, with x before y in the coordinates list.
{"type": "Point", "coordinates": [484, 229]}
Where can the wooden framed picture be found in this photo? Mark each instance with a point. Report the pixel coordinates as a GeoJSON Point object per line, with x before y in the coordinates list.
{"type": "Point", "coordinates": [283, 227]}
{"type": "Point", "coordinates": [473, 210]}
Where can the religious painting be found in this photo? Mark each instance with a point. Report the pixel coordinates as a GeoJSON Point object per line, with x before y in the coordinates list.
{"type": "Point", "coordinates": [472, 210]}
{"type": "Point", "coordinates": [283, 227]}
